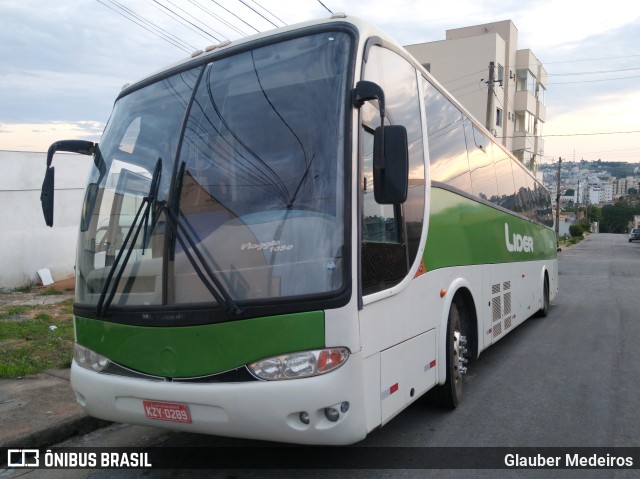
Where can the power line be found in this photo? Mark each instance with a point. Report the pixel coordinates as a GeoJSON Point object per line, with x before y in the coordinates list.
{"type": "Point", "coordinates": [177, 15]}
{"type": "Point", "coordinates": [164, 11]}
{"type": "Point", "coordinates": [594, 72]}
{"type": "Point", "coordinates": [229, 11]}
{"type": "Point", "coordinates": [325, 7]}
{"type": "Point", "coordinates": [176, 43]}
{"type": "Point", "coordinates": [270, 13]}
{"type": "Point", "coordinates": [257, 12]}
{"type": "Point", "coordinates": [476, 73]}
{"type": "Point", "coordinates": [593, 134]}
{"type": "Point", "coordinates": [593, 81]}
{"type": "Point", "coordinates": [590, 59]}
{"type": "Point", "coordinates": [217, 17]}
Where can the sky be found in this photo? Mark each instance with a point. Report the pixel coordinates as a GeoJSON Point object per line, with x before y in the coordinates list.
{"type": "Point", "coordinates": [63, 62]}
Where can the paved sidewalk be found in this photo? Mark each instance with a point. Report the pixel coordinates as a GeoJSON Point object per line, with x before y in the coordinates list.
{"type": "Point", "coordinates": [41, 410]}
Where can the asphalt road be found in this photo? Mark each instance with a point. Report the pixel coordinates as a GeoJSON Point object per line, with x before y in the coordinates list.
{"type": "Point", "coordinates": [568, 380]}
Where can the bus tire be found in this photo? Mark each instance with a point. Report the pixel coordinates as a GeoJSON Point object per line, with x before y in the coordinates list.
{"type": "Point", "coordinates": [450, 394]}
{"type": "Point", "coordinates": [544, 311]}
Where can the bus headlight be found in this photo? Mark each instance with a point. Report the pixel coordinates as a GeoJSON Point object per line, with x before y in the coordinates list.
{"type": "Point", "coordinates": [299, 365]}
{"type": "Point", "coordinates": [89, 359]}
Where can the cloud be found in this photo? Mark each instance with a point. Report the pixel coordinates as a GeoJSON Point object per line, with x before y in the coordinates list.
{"type": "Point", "coordinates": [610, 113]}
{"type": "Point", "coordinates": [65, 61]}
{"type": "Point", "coordinates": [548, 24]}
{"type": "Point", "coordinates": [39, 136]}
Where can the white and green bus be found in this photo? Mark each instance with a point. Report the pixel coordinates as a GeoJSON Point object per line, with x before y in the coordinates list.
{"type": "Point", "coordinates": [293, 237]}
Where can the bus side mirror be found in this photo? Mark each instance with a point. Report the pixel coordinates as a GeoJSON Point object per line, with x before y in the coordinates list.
{"type": "Point", "coordinates": [391, 166]}
{"type": "Point", "coordinates": [46, 196]}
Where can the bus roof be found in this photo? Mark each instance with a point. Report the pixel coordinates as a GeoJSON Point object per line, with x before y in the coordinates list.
{"type": "Point", "coordinates": [207, 54]}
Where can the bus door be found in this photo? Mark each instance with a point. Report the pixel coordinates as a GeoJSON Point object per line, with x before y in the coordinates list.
{"type": "Point", "coordinates": [396, 336]}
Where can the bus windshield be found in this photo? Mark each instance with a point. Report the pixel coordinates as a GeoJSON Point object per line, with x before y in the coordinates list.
{"type": "Point", "coordinates": [225, 180]}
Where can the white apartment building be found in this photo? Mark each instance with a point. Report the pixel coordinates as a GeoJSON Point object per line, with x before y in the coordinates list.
{"type": "Point", "coordinates": [510, 103]}
{"type": "Point", "coordinates": [622, 185]}
{"type": "Point", "coordinates": [595, 195]}
{"type": "Point", "coordinates": [607, 192]}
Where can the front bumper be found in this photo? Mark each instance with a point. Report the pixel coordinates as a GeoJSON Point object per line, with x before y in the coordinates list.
{"type": "Point", "coordinates": [266, 410]}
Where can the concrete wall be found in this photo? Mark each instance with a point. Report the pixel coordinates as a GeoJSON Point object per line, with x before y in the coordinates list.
{"type": "Point", "coordinates": [26, 243]}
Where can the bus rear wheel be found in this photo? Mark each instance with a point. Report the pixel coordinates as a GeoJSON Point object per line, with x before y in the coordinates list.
{"type": "Point", "coordinates": [544, 310]}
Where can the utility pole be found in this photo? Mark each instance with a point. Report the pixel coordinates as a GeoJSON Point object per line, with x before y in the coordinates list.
{"type": "Point", "coordinates": [489, 119]}
{"type": "Point", "coordinates": [558, 204]}
{"type": "Point", "coordinates": [578, 201]}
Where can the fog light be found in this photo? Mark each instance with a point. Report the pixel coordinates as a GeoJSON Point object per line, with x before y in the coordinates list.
{"type": "Point", "coordinates": [304, 417]}
{"type": "Point", "coordinates": [344, 407]}
{"type": "Point", "coordinates": [331, 414]}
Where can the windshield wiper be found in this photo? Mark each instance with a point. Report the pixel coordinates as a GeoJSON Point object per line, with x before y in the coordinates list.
{"type": "Point", "coordinates": [204, 272]}
{"type": "Point", "coordinates": [147, 203]}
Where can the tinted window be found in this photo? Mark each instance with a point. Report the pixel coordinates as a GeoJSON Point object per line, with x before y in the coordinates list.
{"type": "Point", "coordinates": [261, 171]}
{"type": "Point", "coordinates": [523, 198]}
{"type": "Point", "coordinates": [385, 264]}
{"type": "Point", "coordinates": [447, 146]}
{"type": "Point", "coordinates": [544, 212]}
{"type": "Point", "coordinates": [504, 177]}
{"type": "Point", "coordinates": [480, 153]}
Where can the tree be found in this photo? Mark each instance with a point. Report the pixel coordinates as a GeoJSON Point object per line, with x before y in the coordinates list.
{"type": "Point", "coordinates": [615, 218]}
{"type": "Point", "coordinates": [585, 224]}
{"type": "Point", "coordinates": [576, 230]}
{"type": "Point", "coordinates": [570, 192]}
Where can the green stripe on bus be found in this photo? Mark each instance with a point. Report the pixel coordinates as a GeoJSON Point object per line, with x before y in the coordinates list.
{"type": "Point", "coordinates": [465, 232]}
{"type": "Point", "coordinates": [191, 351]}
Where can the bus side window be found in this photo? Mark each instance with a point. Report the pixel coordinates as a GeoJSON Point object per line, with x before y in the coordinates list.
{"type": "Point", "coordinates": [447, 144]}
{"type": "Point", "coordinates": [483, 173]}
{"type": "Point", "coordinates": [384, 260]}
{"type": "Point", "coordinates": [391, 234]}
{"type": "Point", "coordinates": [379, 222]}
{"type": "Point", "coordinates": [504, 176]}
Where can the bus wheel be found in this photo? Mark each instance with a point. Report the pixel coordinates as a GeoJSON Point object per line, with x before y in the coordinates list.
{"type": "Point", "coordinates": [451, 391]}
{"type": "Point", "coordinates": [544, 311]}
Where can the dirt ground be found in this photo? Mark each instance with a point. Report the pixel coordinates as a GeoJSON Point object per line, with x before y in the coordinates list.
{"type": "Point", "coordinates": [35, 295]}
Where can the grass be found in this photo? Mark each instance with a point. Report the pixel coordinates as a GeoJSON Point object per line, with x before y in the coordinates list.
{"type": "Point", "coordinates": [26, 287]}
{"type": "Point", "coordinates": [35, 338]}
{"type": "Point", "coordinates": [51, 292]}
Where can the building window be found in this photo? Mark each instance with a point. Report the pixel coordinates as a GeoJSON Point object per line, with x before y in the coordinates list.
{"type": "Point", "coordinates": [500, 74]}
{"type": "Point", "coordinates": [538, 128]}
{"type": "Point", "coordinates": [526, 81]}
{"type": "Point", "coordinates": [525, 122]}
{"type": "Point", "coordinates": [541, 93]}
{"type": "Point", "coordinates": [499, 117]}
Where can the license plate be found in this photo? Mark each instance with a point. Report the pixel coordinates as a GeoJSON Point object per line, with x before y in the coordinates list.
{"type": "Point", "coordinates": [166, 411]}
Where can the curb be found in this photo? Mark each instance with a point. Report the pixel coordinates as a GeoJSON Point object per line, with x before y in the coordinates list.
{"type": "Point", "coordinates": [57, 433]}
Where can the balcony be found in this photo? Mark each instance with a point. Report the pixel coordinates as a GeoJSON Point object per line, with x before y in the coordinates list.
{"type": "Point", "coordinates": [527, 142]}
{"type": "Point", "coordinates": [525, 101]}
{"type": "Point", "coordinates": [523, 141]}
{"type": "Point", "coordinates": [541, 111]}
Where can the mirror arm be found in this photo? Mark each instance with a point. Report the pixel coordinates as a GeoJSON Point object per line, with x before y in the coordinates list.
{"type": "Point", "coordinates": [365, 91]}
{"type": "Point", "coordinates": [82, 147]}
